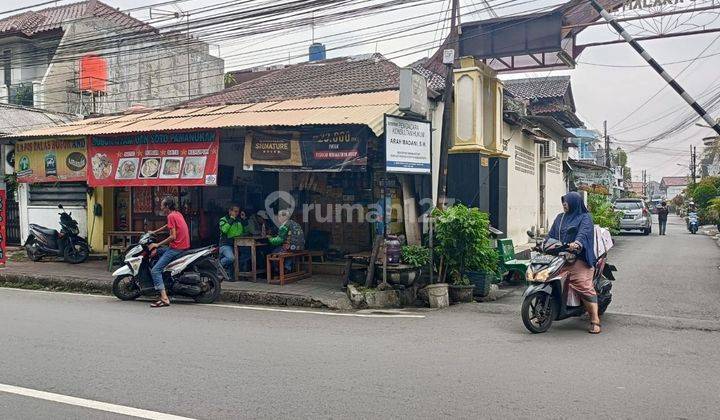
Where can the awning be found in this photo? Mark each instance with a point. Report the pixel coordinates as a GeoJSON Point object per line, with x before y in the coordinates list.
{"type": "Point", "coordinates": [365, 109]}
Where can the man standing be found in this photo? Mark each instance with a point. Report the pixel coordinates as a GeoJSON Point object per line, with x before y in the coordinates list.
{"type": "Point", "coordinates": [230, 228]}
{"type": "Point", "coordinates": [179, 240]}
{"type": "Point", "coordinates": [662, 212]}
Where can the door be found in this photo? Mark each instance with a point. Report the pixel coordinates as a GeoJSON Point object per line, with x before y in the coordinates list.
{"type": "Point", "coordinates": [542, 217]}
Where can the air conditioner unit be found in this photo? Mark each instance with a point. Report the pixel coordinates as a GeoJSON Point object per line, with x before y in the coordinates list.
{"type": "Point", "coordinates": [548, 150]}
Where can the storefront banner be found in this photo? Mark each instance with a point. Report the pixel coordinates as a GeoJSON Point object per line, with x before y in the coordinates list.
{"type": "Point", "coordinates": [329, 148]}
{"type": "Point", "coordinates": [51, 160]}
{"type": "Point", "coordinates": [407, 145]}
{"type": "Point", "coordinates": [181, 159]}
{"type": "Point", "coordinates": [3, 224]}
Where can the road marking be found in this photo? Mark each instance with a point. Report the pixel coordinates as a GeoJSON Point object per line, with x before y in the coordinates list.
{"type": "Point", "coordinates": [300, 311]}
{"type": "Point", "coordinates": [249, 308]}
{"type": "Point", "coordinates": [95, 405]}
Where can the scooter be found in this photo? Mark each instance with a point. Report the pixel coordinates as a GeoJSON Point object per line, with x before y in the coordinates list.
{"type": "Point", "coordinates": [195, 273]}
{"type": "Point", "coordinates": [548, 297]}
{"type": "Point", "coordinates": [67, 243]}
{"type": "Point", "coordinates": [693, 223]}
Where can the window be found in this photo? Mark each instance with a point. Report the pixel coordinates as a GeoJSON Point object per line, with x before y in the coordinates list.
{"type": "Point", "coordinates": [628, 205]}
{"type": "Point", "coordinates": [52, 194]}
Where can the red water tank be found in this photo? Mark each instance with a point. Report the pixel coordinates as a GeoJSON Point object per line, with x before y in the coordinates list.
{"type": "Point", "coordinates": [93, 73]}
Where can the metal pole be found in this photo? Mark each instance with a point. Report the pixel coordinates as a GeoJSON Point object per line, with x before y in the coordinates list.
{"type": "Point", "coordinates": [607, 145]}
{"type": "Point", "coordinates": [656, 66]}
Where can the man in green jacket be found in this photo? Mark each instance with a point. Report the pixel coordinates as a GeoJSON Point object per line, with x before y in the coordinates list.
{"type": "Point", "coordinates": [230, 228]}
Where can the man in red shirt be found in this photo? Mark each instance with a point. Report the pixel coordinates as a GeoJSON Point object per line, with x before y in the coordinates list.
{"type": "Point", "coordinates": [179, 241]}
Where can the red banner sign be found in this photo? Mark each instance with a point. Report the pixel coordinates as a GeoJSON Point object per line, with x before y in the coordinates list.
{"type": "Point", "coordinates": [3, 223]}
{"type": "Point", "coordinates": [154, 159]}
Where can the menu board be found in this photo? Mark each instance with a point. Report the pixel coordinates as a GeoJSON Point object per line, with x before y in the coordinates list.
{"type": "Point", "coordinates": [178, 158]}
{"type": "Point", "coordinates": [51, 160]}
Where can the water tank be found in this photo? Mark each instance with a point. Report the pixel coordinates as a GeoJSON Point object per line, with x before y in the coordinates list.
{"type": "Point", "coordinates": [317, 51]}
{"type": "Point", "coordinates": [93, 73]}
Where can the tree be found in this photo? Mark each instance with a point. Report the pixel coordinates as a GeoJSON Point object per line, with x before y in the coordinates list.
{"type": "Point", "coordinates": [704, 192]}
{"type": "Point", "coordinates": [229, 80]}
{"type": "Point", "coordinates": [603, 213]}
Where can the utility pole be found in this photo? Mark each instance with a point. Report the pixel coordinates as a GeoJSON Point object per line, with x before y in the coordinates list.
{"type": "Point", "coordinates": [644, 182]}
{"type": "Point", "coordinates": [693, 163]}
{"type": "Point", "coordinates": [607, 144]}
{"type": "Point", "coordinates": [656, 66]}
{"type": "Point", "coordinates": [453, 39]}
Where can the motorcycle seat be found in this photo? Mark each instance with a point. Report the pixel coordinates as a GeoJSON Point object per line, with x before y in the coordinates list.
{"type": "Point", "coordinates": [44, 230]}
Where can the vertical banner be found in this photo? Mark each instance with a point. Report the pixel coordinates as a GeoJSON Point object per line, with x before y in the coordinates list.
{"type": "Point", "coordinates": [3, 223]}
{"type": "Point", "coordinates": [407, 145]}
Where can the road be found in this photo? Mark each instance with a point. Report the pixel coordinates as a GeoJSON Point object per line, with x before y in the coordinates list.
{"type": "Point", "coordinates": [238, 362]}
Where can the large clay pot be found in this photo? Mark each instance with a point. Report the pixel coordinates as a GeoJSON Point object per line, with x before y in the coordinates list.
{"type": "Point", "coordinates": [461, 293]}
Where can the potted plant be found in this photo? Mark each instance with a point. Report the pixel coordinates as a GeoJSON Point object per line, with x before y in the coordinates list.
{"type": "Point", "coordinates": [461, 290]}
{"type": "Point", "coordinates": [463, 240]}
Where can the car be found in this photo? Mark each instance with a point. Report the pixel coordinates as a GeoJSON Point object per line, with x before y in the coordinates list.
{"type": "Point", "coordinates": [636, 215]}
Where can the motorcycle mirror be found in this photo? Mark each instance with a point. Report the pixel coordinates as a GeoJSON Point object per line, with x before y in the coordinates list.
{"type": "Point", "coordinates": [531, 234]}
{"type": "Point", "coordinates": [60, 206]}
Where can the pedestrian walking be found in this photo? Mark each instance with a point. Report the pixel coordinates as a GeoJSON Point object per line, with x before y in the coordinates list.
{"type": "Point", "coordinates": [662, 212]}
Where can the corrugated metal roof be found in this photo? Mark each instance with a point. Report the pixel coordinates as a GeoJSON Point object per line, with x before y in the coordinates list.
{"type": "Point", "coordinates": [14, 118]}
{"type": "Point", "coordinates": [357, 109]}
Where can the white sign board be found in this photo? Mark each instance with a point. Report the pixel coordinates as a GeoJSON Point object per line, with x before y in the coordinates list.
{"type": "Point", "coordinates": [448, 56]}
{"type": "Point", "coordinates": [407, 145]}
{"type": "Point", "coordinates": [413, 92]}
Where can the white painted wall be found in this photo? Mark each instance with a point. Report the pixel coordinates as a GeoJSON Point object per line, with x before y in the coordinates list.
{"type": "Point", "coordinates": [673, 192]}
{"type": "Point", "coordinates": [47, 216]}
{"type": "Point", "coordinates": [523, 194]}
{"type": "Point", "coordinates": [555, 188]}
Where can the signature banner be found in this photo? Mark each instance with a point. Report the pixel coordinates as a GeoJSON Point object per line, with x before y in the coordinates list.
{"type": "Point", "coordinates": [328, 149]}
{"type": "Point", "coordinates": [154, 159]}
{"type": "Point", "coordinates": [51, 160]}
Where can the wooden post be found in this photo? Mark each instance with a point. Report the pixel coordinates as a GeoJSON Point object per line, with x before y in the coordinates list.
{"type": "Point", "coordinates": [371, 264]}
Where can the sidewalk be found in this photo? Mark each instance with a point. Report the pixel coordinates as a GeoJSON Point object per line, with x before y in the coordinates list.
{"type": "Point", "coordinates": [319, 291]}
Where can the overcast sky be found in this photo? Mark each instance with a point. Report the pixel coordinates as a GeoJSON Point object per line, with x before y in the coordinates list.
{"type": "Point", "coordinates": [601, 93]}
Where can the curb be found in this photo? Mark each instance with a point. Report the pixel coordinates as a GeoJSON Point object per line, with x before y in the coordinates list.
{"type": "Point", "coordinates": [98, 287]}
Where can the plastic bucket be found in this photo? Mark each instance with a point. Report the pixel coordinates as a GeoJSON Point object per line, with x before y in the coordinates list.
{"type": "Point", "coordinates": [438, 295]}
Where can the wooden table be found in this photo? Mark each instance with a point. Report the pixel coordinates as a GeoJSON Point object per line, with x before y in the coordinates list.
{"type": "Point", "coordinates": [253, 242]}
{"type": "Point", "coordinates": [119, 241]}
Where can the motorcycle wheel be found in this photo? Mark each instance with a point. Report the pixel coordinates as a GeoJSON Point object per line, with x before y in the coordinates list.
{"type": "Point", "coordinates": [532, 314]}
{"type": "Point", "coordinates": [33, 251]}
{"type": "Point", "coordinates": [124, 288]}
{"type": "Point", "coordinates": [211, 287]}
{"type": "Point", "coordinates": [77, 253]}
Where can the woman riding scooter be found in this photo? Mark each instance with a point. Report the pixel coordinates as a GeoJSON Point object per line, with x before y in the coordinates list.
{"type": "Point", "coordinates": [580, 239]}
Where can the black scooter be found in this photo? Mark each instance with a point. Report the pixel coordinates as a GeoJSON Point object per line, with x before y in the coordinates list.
{"type": "Point", "coordinates": [546, 298]}
{"type": "Point", "coordinates": [67, 243]}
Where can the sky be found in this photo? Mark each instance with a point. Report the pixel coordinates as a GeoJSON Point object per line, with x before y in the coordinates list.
{"type": "Point", "coordinates": [610, 83]}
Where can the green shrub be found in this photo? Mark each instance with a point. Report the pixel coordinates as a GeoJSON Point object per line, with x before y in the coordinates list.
{"type": "Point", "coordinates": [415, 255]}
{"type": "Point", "coordinates": [603, 213]}
{"type": "Point", "coordinates": [704, 192]}
{"type": "Point", "coordinates": [462, 236]}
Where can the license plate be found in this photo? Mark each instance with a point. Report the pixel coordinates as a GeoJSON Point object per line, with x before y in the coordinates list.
{"type": "Point", "coordinates": [628, 216]}
{"type": "Point", "coordinates": [543, 259]}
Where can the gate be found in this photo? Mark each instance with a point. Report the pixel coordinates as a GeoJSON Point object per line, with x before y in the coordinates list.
{"type": "Point", "coordinates": [12, 227]}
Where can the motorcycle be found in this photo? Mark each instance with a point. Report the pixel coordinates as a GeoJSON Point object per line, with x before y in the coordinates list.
{"type": "Point", "coordinates": [195, 273]}
{"type": "Point", "coordinates": [67, 243]}
{"type": "Point", "coordinates": [693, 222]}
{"type": "Point", "coordinates": [548, 298]}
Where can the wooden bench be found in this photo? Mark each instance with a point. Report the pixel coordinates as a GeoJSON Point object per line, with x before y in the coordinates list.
{"type": "Point", "coordinates": [302, 267]}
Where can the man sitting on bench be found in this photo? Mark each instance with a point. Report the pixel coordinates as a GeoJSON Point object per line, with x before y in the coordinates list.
{"type": "Point", "coordinates": [290, 237]}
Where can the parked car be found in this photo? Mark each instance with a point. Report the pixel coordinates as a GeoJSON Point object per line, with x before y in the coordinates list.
{"type": "Point", "coordinates": [636, 215]}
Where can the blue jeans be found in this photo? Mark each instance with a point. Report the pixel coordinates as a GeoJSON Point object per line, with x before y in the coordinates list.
{"type": "Point", "coordinates": [227, 258]}
{"type": "Point", "coordinates": [167, 255]}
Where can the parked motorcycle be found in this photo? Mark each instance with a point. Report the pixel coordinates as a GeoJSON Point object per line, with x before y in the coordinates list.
{"type": "Point", "coordinates": [67, 243]}
{"type": "Point", "coordinates": [546, 298]}
{"type": "Point", "coordinates": [195, 273]}
{"type": "Point", "coordinates": [693, 223]}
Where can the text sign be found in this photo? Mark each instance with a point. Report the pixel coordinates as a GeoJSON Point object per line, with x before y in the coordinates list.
{"type": "Point", "coordinates": [3, 223]}
{"type": "Point", "coordinates": [413, 92]}
{"type": "Point", "coordinates": [407, 145]}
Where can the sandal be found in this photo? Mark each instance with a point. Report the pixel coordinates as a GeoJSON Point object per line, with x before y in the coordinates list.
{"type": "Point", "coordinates": [159, 304]}
{"type": "Point", "coordinates": [592, 330]}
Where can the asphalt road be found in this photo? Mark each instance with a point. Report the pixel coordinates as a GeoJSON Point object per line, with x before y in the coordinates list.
{"type": "Point", "coordinates": [235, 362]}
{"type": "Point", "coordinates": [675, 275]}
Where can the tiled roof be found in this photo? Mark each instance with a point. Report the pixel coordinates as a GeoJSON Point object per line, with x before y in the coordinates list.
{"type": "Point", "coordinates": [674, 181]}
{"type": "Point", "coordinates": [538, 87]}
{"type": "Point", "coordinates": [367, 73]}
{"type": "Point", "coordinates": [33, 22]}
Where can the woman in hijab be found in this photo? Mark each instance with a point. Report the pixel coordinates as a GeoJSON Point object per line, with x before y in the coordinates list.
{"type": "Point", "coordinates": [580, 239]}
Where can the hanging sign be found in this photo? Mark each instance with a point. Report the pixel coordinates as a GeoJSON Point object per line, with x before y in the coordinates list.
{"type": "Point", "coordinates": [154, 159]}
{"type": "Point", "coordinates": [407, 145]}
{"type": "Point", "coordinates": [327, 148]}
{"type": "Point", "coordinates": [51, 160]}
{"type": "Point", "coordinates": [3, 224]}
